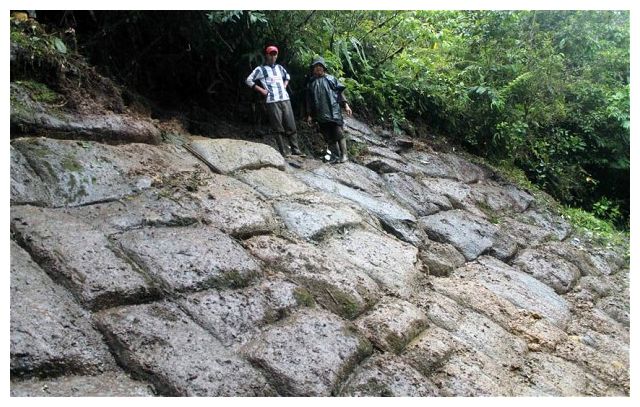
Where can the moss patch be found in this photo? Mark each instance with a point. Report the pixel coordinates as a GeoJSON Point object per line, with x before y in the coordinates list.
{"type": "Point", "coordinates": [304, 297]}
{"type": "Point", "coordinates": [39, 92]}
{"type": "Point", "coordinates": [70, 164]}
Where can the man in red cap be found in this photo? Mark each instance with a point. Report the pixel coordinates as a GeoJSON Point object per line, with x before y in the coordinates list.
{"type": "Point", "coordinates": [271, 80]}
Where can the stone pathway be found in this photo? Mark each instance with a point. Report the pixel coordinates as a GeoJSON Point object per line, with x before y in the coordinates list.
{"type": "Point", "coordinates": [141, 270]}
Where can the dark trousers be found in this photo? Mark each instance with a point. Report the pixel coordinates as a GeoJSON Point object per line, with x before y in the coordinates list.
{"type": "Point", "coordinates": [282, 122]}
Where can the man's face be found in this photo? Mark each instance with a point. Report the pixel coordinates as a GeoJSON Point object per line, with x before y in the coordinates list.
{"type": "Point", "coordinates": [318, 70]}
{"type": "Point", "coordinates": [271, 58]}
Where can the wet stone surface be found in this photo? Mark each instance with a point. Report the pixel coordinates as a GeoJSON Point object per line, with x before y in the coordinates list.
{"type": "Point", "coordinates": [471, 235]}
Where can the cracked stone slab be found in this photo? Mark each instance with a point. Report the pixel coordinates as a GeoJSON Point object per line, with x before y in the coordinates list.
{"type": "Point", "coordinates": [442, 165]}
{"type": "Point", "coordinates": [538, 333]}
{"type": "Point", "coordinates": [160, 343]}
{"type": "Point", "coordinates": [470, 234]}
{"type": "Point", "coordinates": [361, 132]}
{"type": "Point", "coordinates": [387, 375]}
{"type": "Point", "coordinates": [229, 155]}
{"type": "Point", "coordinates": [546, 220]}
{"type": "Point", "coordinates": [588, 263]}
{"type": "Point", "coordinates": [519, 288]}
{"type": "Point", "coordinates": [500, 198]}
{"type": "Point", "coordinates": [272, 183]}
{"type": "Point", "coordinates": [464, 170]}
{"type": "Point", "coordinates": [311, 216]}
{"type": "Point", "coordinates": [335, 283]}
{"type": "Point", "coordinates": [308, 354]}
{"type": "Point", "coordinates": [549, 268]}
{"type": "Point", "coordinates": [392, 324]}
{"type": "Point", "coordinates": [523, 234]}
{"type": "Point", "coordinates": [83, 172]}
{"type": "Point", "coordinates": [382, 207]}
{"type": "Point", "coordinates": [234, 207]}
{"type": "Point", "coordinates": [49, 333]}
{"type": "Point", "coordinates": [190, 258]}
{"type": "Point", "coordinates": [233, 316]}
{"type": "Point", "coordinates": [476, 330]}
{"type": "Point", "coordinates": [382, 160]}
{"type": "Point", "coordinates": [354, 176]}
{"type": "Point", "coordinates": [149, 208]}
{"type": "Point", "coordinates": [415, 195]}
{"type": "Point", "coordinates": [110, 384]}
{"type": "Point", "coordinates": [393, 264]}
{"type": "Point", "coordinates": [96, 272]}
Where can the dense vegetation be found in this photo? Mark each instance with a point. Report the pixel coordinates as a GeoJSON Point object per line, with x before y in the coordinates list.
{"type": "Point", "coordinates": [543, 91]}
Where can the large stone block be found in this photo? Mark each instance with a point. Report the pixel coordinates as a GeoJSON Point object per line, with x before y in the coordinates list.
{"type": "Point", "coordinates": [311, 216]}
{"type": "Point", "coordinates": [49, 333]}
{"type": "Point", "coordinates": [190, 258]}
{"type": "Point", "coordinates": [354, 176]}
{"type": "Point", "coordinates": [81, 258]}
{"type": "Point", "coordinates": [392, 324]}
{"type": "Point", "coordinates": [470, 234]}
{"type": "Point", "coordinates": [550, 269]}
{"type": "Point", "coordinates": [234, 207]}
{"type": "Point", "coordinates": [271, 182]}
{"type": "Point", "coordinates": [82, 172]}
{"type": "Point", "coordinates": [391, 263]}
{"type": "Point", "coordinates": [228, 155]}
{"type": "Point", "coordinates": [387, 375]}
{"type": "Point", "coordinates": [334, 282]}
{"type": "Point", "coordinates": [160, 343]}
{"type": "Point", "coordinates": [233, 316]}
{"type": "Point", "coordinates": [517, 287]}
{"type": "Point", "coordinates": [415, 195]}
{"type": "Point", "coordinates": [308, 354]}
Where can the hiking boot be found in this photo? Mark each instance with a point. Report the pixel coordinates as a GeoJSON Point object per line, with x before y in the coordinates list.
{"type": "Point", "coordinates": [298, 153]}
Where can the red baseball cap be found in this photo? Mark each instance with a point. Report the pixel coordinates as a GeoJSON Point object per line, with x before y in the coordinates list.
{"type": "Point", "coordinates": [272, 48]}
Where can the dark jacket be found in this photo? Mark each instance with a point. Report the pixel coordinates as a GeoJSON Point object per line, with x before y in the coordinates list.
{"type": "Point", "coordinates": [324, 98]}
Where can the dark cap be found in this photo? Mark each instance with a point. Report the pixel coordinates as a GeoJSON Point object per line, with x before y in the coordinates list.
{"type": "Point", "coordinates": [319, 61]}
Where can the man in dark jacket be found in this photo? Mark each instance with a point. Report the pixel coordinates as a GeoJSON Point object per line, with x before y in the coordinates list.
{"type": "Point", "coordinates": [324, 99]}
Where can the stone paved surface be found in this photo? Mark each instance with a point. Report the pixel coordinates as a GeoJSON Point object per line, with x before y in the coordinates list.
{"type": "Point", "coordinates": [142, 270]}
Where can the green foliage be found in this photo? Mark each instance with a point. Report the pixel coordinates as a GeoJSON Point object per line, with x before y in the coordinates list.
{"type": "Point", "coordinates": [39, 91]}
{"type": "Point", "coordinates": [593, 228]}
{"type": "Point", "coordinates": [545, 91]}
